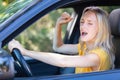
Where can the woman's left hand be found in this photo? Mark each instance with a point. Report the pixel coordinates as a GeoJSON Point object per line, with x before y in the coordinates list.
{"type": "Point", "coordinates": [15, 44]}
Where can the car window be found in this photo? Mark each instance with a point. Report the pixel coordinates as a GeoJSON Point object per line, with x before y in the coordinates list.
{"type": "Point", "coordinates": [11, 10]}
{"type": "Point", "coordinates": [39, 36]}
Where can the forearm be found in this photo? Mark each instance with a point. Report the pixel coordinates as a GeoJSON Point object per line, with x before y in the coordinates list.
{"type": "Point", "coordinates": [57, 41]}
{"type": "Point", "coordinates": [58, 44]}
{"type": "Point", "coordinates": [46, 57]}
{"type": "Point", "coordinates": [64, 60]}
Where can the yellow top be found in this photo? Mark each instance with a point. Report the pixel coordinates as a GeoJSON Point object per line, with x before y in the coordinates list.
{"type": "Point", "coordinates": [104, 60]}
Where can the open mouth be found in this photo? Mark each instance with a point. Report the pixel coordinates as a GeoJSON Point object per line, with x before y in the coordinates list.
{"type": "Point", "coordinates": [84, 33]}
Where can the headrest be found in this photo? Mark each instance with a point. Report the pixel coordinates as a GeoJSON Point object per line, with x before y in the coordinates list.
{"type": "Point", "coordinates": [114, 19]}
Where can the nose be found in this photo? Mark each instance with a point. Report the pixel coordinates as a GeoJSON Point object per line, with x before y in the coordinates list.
{"type": "Point", "coordinates": [82, 26]}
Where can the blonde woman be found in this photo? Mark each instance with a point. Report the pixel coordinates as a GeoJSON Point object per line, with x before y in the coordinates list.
{"type": "Point", "coordinates": [95, 47]}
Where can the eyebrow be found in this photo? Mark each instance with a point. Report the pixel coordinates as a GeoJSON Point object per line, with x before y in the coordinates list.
{"type": "Point", "coordinates": [87, 20]}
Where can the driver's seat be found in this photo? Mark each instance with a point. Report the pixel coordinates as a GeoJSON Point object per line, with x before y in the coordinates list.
{"type": "Point", "coordinates": [114, 19]}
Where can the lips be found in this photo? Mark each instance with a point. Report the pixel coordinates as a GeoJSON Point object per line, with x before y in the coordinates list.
{"type": "Point", "coordinates": [84, 33]}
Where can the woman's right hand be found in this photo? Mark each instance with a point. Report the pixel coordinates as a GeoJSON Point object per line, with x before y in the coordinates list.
{"type": "Point", "coordinates": [64, 18]}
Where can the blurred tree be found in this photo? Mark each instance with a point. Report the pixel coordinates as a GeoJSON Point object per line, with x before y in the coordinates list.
{"type": "Point", "coordinates": [110, 8]}
{"type": "Point", "coordinates": [11, 7]}
{"type": "Point", "coordinates": [39, 36]}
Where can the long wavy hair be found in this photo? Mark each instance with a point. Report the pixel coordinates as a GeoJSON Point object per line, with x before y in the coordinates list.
{"type": "Point", "coordinates": [103, 38]}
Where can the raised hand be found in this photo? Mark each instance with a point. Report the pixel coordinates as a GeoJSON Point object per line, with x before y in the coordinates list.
{"type": "Point", "coordinates": [64, 18]}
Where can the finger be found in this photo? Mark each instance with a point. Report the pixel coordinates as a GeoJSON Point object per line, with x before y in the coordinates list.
{"type": "Point", "coordinates": [68, 20]}
{"type": "Point", "coordinates": [13, 40]}
{"type": "Point", "coordinates": [65, 14]}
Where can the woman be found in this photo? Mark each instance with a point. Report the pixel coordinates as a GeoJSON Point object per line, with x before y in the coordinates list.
{"type": "Point", "coordinates": [95, 45]}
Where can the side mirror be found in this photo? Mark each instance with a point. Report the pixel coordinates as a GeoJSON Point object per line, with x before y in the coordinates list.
{"type": "Point", "coordinates": [6, 65]}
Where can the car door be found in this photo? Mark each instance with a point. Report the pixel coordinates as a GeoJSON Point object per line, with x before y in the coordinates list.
{"type": "Point", "coordinates": [20, 21]}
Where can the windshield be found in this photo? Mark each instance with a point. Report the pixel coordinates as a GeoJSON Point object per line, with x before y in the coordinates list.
{"type": "Point", "coordinates": [10, 7]}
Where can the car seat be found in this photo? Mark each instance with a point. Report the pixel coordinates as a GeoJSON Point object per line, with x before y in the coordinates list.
{"type": "Point", "coordinates": [114, 19]}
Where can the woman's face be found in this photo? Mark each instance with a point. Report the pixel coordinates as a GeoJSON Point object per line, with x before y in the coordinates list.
{"type": "Point", "coordinates": [88, 27]}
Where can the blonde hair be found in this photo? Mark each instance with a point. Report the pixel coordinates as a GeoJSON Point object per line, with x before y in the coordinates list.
{"type": "Point", "coordinates": [103, 38]}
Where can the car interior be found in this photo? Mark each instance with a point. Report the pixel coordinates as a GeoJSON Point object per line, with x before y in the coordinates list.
{"type": "Point", "coordinates": [72, 38]}
{"type": "Point", "coordinates": [114, 20]}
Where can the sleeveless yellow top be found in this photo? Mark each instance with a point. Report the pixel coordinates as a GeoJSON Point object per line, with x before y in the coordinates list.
{"type": "Point", "coordinates": [104, 60]}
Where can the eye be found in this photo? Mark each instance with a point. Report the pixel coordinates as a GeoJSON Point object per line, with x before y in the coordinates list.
{"type": "Point", "coordinates": [81, 22]}
{"type": "Point", "coordinates": [90, 23]}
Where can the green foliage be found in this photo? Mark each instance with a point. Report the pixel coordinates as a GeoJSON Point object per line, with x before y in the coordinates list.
{"type": "Point", "coordinates": [109, 8]}
{"type": "Point", "coordinates": [39, 36]}
{"type": "Point", "coordinates": [10, 9]}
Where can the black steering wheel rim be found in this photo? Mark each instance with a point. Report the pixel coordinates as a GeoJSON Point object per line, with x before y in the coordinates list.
{"type": "Point", "coordinates": [22, 64]}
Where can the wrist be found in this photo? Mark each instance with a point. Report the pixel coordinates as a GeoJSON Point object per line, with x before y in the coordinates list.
{"type": "Point", "coordinates": [24, 52]}
{"type": "Point", "coordinates": [58, 24]}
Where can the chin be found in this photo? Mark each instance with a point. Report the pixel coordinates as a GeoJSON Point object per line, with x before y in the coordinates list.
{"type": "Point", "coordinates": [84, 40]}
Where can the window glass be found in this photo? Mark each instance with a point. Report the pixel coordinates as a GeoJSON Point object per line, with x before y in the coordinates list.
{"type": "Point", "coordinates": [110, 8]}
{"type": "Point", "coordinates": [39, 36]}
{"type": "Point", "coordinates": [10, 7]}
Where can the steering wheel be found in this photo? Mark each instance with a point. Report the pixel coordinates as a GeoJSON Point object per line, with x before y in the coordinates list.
{"type": "Point", "coordinates": [22, 65]}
